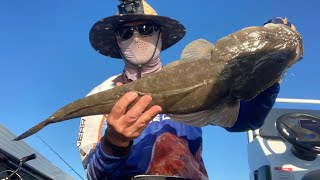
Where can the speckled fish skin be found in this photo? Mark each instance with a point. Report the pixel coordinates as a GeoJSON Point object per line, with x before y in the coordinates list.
{"type": "Point", "coordinates": [209, 80]}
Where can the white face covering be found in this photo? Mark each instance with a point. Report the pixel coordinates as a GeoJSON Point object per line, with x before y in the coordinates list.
{"type": "Point", "coordinates": [139, 50]}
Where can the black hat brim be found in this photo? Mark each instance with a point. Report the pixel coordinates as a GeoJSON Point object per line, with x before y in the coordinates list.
{"type": "Point", "coordinates": [102, 33]}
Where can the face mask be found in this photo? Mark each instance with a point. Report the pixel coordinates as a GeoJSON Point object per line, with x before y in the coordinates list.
{"type": "Point", "coordinates": [138, 49]}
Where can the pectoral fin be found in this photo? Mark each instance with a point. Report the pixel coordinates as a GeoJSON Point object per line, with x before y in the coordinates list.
{"type": "Point", "coordinates": [224, 115]}
{"type": "Point", "coordinates": [227, 114]}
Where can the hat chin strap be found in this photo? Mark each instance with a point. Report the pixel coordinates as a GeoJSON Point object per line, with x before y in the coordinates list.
{"type": "Point", "coordinates": [135, 71]}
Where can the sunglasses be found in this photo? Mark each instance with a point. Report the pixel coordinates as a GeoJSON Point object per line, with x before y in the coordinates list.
{"type": "Point", "coordinates": [126, 32]}
{"type": "Point", "coordinates": [278, 21]}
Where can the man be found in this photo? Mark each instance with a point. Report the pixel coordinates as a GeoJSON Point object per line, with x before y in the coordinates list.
{"type": "Point", "coordinates": [142, 141]}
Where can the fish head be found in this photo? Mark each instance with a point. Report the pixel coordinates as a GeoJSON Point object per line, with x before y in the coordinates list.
{"type": "Point", "coordinates": [292, 37]}
{"type": "Point", "coordinates": [293, 43]}
{"type": "Point", "coordinates": [269, 52]}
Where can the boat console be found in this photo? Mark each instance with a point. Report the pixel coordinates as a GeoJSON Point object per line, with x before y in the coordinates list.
{"type": "Point", "coordinates": [286, 147]}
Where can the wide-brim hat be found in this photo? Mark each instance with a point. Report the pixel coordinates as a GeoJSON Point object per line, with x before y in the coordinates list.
{"type": "Point", "coordinates": [102, 34]}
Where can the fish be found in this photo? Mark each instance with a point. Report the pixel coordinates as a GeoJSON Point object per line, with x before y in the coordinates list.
{"type": "Point", "coordinates": [179, 162]}
{"type": "Point", "coordinates": [205, 86]}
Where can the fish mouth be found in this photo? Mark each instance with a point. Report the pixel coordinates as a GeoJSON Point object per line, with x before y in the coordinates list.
{"type": "Point", "coordinates": [299, 56]}
{"type": "Point", "coordinates": [292, 33]}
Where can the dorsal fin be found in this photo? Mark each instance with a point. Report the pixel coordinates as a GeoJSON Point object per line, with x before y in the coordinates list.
{"type": "Point", "coordinates": [198, 49]}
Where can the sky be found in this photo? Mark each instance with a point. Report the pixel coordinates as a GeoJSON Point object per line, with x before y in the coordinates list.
{"type": "Point", "coordinates": [46, 62]}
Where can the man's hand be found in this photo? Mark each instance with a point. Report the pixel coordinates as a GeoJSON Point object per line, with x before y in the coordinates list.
{"type": "Point", "coordinates": [124, 127]}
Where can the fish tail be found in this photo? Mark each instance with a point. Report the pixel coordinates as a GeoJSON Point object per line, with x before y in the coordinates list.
{"type": "Point", "coordinates": [33, 130]}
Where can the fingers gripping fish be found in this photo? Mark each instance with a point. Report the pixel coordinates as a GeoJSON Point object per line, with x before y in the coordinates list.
{"type": "Point", "coordinates": [207, 84]}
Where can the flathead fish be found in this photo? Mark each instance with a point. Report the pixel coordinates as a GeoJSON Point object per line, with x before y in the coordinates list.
{"type": "Point", "coordinates": [206, 85]}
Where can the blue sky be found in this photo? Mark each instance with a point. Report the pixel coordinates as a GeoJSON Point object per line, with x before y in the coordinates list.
{"type": "Point", "coordinates": [46, 61]}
